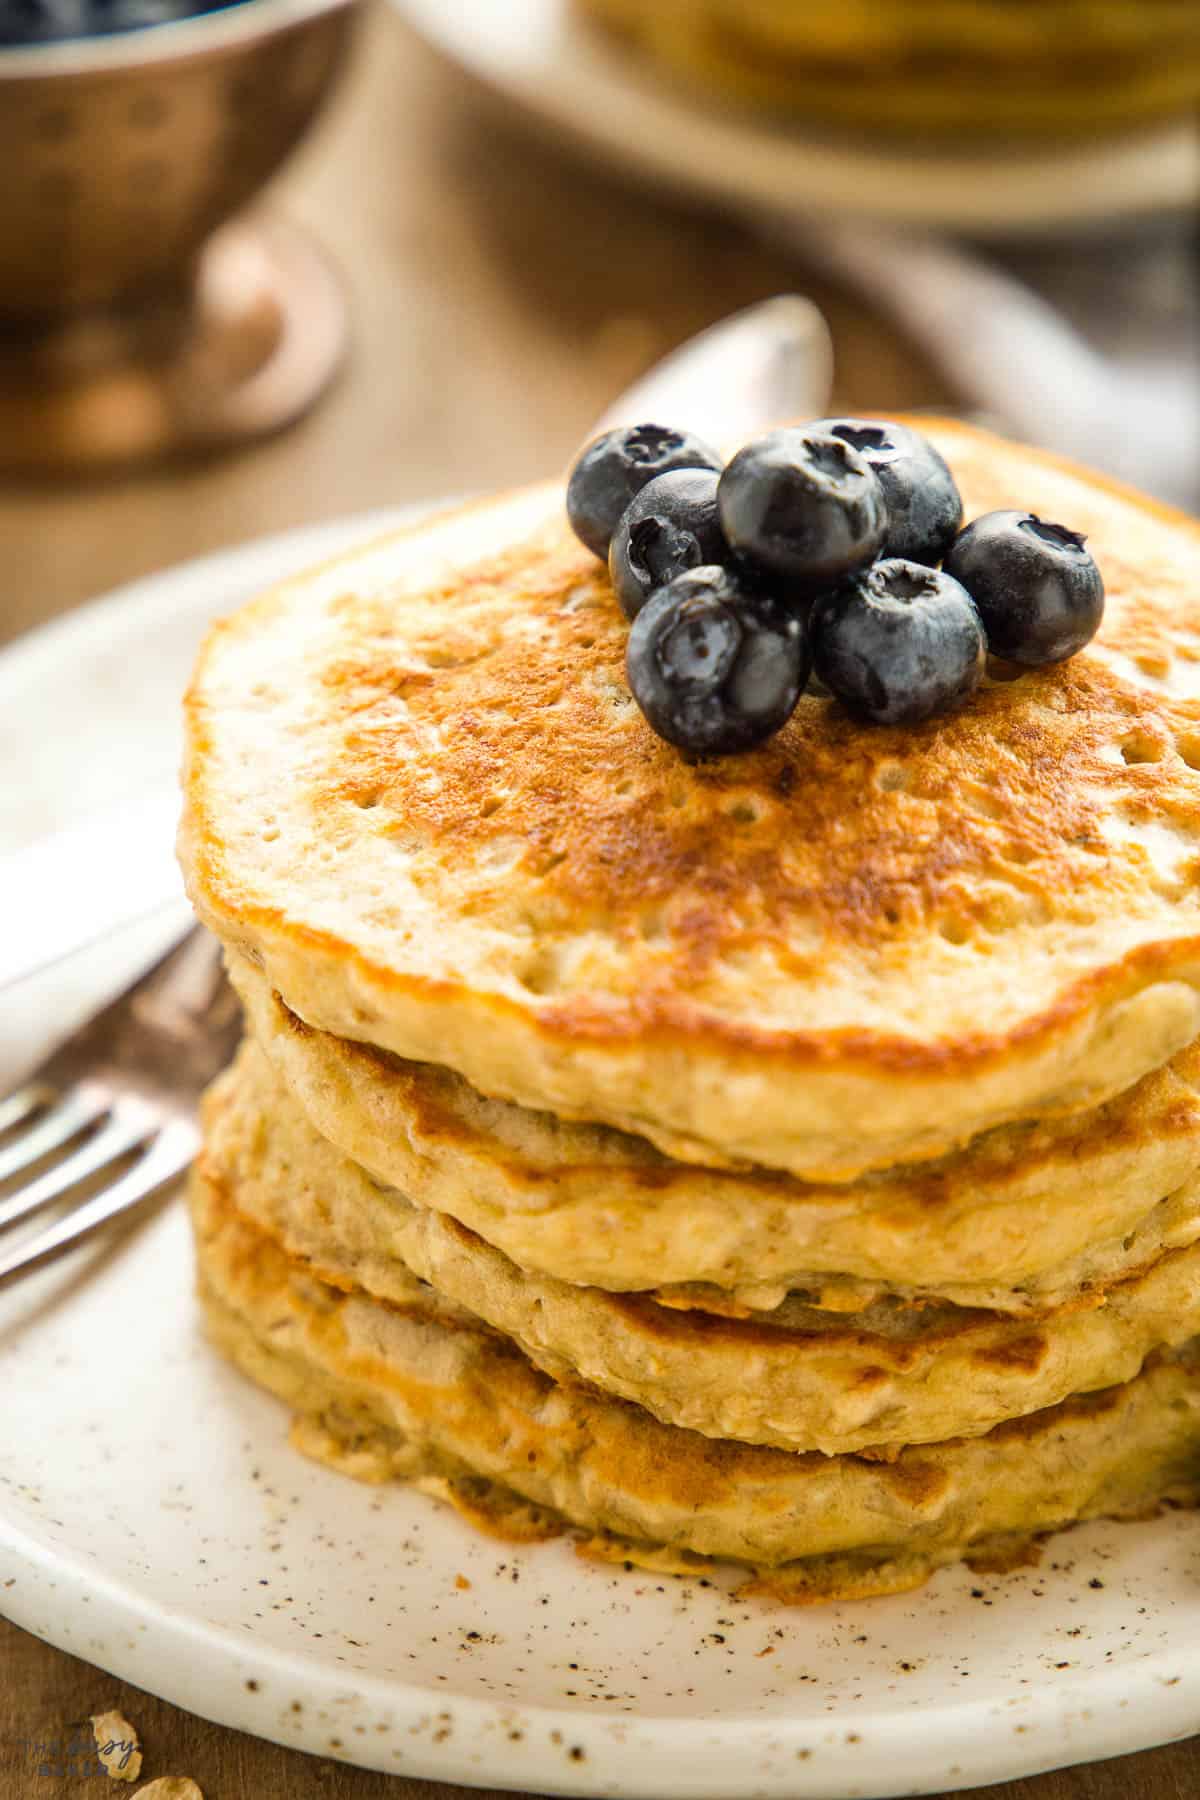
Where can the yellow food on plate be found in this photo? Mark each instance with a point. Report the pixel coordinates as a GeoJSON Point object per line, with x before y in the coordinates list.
{"type": "Point", "coordinates": [789, 1159]}
{"type": "Point", "coordinates": [965, 69]}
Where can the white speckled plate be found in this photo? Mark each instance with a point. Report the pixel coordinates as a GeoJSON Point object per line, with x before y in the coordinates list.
{"type": "Point", "coordinates": [569, 79]}
{"type": "Point", "coordinates": [153, 1519]}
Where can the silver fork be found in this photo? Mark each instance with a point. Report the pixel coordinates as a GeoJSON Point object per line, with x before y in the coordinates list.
{"type": "Point", "coordinates": [109, 1120]}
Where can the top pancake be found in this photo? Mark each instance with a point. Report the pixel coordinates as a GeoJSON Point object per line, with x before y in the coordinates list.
{"type": "Point", "coordinates": [419, 794]}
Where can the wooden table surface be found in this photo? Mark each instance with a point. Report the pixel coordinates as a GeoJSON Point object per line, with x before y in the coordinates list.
{"type": "Point", "coordinates": [501, 293]}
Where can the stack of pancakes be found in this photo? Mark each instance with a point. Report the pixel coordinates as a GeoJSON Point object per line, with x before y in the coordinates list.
{"type": "Point", "coordinates": [792, 1159]}
{"type": "Point", "coordinates": [966, 68]}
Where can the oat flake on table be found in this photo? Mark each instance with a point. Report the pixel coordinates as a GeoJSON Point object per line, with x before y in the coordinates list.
{"type": "Point", "coordinates": [117, 1746]}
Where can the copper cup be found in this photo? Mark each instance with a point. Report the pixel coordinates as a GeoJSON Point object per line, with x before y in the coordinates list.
{"type": "Point", "coordinates": [140, 314]}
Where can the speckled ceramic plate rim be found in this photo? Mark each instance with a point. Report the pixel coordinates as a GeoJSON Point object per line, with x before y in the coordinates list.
{"type": "Point", "coordinates": [641, 1758]}
{"type": "Point", "coordinates": [59, 1595]}
{"type": "Point", "coordinates": [557, 70]}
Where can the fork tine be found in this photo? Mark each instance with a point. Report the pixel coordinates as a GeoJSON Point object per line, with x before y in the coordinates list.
{"type": "Point", "coordinates": [73, 1114]}
{"type": "Point", "coordinates": [16, 1108]}
{"type": "Point", "coordinates": [114, 1139]}
{"type": "Point", "coordinates": [166, 1159]}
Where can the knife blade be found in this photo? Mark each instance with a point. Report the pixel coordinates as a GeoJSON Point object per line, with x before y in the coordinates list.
{"type": "Point", "coordinates": [63, 892]}
{"type": "Point", "coordinates": [768, 364]}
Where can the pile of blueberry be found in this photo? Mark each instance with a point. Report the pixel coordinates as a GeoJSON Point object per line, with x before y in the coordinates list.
{"type": "Point", "coordinates": [54, 21]}
{"type": "Point", "coordinates": [836, 546]}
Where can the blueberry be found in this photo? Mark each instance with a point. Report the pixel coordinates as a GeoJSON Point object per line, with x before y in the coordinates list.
{"type": "Point", "coordinates": [1038, 590]}
{"type": "Point", "coordinates": [924, 506]}
{"type": "Point", "coordinates": [899, 642]}
{"type": "Point", "coordinates": [672, 525]}
{"type": "Point", "coordinates": [803, 505]}
{"type": "Point", "coordinates": [715, 665]}
{"type": "Point", "coordinates": [616, 467]}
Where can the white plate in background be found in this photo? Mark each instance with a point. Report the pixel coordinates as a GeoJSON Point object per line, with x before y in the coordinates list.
{"type": "Point", "coordinates": [154, 1521]}
{"type": "Point", "coordinates": [566, 76]}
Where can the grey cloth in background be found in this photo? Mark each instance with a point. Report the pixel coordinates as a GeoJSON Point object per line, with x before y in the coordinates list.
{"type": "Point", "coordinates": [1136, 301]}
{"type": "Point", "coordinates": [1085, 345]}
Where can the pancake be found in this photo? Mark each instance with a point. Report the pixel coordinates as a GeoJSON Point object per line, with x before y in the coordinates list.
{"type": "Point", "coordinates": [797, 1378]}
{"type": "Point", "coordinates": [1028, 1219]}
{"type": "Point", "coordinates": [383, 1391]}
{"type": "Point", "coordinates": [962, 67]}
{"type": "Point", "coordinates": [418, 791]}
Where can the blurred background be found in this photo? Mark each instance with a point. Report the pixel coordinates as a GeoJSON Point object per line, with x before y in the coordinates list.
{"type": "Point", "coordinates": [504, 212]}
